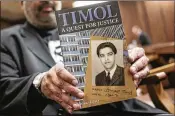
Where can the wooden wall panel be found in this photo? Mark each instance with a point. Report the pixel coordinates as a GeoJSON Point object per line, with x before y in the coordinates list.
{"type": "Point", "coordinates": [143, 17]}
{"type": "Point", "coordinates": [154, 17]}
{"type": "Point", "coordinates": [167, 9]}
{"type": "Point", "coordinates": [155, 21]}
{"type": "Point", "coordinates": [67, 4]}
{"type": "Point", "coordinates": [11, 10]}
{"type": "Point", "coordinates": [129, 17]}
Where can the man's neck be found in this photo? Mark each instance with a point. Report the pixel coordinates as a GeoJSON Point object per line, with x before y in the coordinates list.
{"type": "Point", "coordinates": [42, 32]}
{"type": "Point", "coordinates": [42, 29]}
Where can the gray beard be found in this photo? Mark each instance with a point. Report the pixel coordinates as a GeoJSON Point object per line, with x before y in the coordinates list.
{"type": "Point", "coordinates": [44, 24]}
{"type": "Point", "coordinates": [39, 22]}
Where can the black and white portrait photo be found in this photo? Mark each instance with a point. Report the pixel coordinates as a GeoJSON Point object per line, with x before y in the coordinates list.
{"type": "Point", "coordinates": [107, 63]}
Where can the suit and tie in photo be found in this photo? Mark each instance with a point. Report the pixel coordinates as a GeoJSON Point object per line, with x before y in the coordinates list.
{"type": "Point", "coordinates": [104, 79]}
{"type": "Point", "coordinates": [109, 73]}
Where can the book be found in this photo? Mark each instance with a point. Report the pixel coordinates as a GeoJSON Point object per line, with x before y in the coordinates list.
{"type": "Point", "coordinates": [93, 49]}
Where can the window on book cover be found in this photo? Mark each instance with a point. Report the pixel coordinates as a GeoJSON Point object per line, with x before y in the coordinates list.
{"type": "Point", "coordinates": [107, 63]}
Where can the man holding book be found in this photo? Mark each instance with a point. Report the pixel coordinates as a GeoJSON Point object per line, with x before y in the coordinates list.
{"type": "Point", "coordinates": [31, 83]}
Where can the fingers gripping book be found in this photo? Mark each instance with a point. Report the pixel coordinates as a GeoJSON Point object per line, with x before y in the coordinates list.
{"type": "Point", "coordinates": [92, 46]}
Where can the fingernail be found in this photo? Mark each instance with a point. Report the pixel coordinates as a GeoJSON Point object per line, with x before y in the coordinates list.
{"type": "Point", "coordinates": [81, 94]}
{"type": "Point", "coordinates": [74, 82]}
{"type": "Point", "coordinates": [76, 106]}
{"type": "Point", "coordinates": [69, 109]}
{"type": "Point", "coordinates": [136, 76]}
{"type": "Point", "coordinates": [80, 106]}
{"type": "Point", "coordinates": [133, 69]}
{"type": "Point", "coordinates": [136, 84]}
{"type": "Point", "coordinates": [161, 75]}
{"type": "Point", "coordinates": [131, 58]}
{"type": "Point", "coordinates": [139, 54]}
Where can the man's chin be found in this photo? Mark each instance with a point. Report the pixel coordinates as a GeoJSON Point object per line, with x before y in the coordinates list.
{"type": "Point", "coordinates": [50, 23]}
{"type": "Point", "coordinates": [108, 68]}
{"type": "Point", "coordinates": [46, 25]}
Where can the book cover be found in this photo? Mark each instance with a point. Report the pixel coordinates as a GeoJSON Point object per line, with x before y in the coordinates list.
{"type": "Point", "coordinates": [93, 48]}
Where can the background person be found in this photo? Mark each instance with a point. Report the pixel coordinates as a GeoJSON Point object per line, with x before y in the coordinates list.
{"type": "Point", "coordinates": [143, 38]}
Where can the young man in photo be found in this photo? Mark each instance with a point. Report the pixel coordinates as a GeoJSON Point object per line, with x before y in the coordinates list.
{"type": "Point", "coordinates": [113, 75]}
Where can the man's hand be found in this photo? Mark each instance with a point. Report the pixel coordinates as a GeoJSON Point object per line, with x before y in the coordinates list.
{"type": "Point", "coordinates": [139, 68]}
{"type": "Point", "coordinates": [58, 84]}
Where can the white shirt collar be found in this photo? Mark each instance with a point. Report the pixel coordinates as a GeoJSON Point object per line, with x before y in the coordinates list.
{"type": "Point", "coordinates": [111, 72]}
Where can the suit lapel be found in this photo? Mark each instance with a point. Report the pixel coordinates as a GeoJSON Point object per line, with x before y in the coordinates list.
{"type": "Point", "coordinates": [117, 76]}
{"type": "Point", "coordinates": [36, 46]}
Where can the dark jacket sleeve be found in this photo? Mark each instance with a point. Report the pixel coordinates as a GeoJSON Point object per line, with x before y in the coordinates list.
{"type": "Point", "coordinates": [17, 94]}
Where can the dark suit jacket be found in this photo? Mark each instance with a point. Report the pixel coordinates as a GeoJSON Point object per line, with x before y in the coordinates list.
{"type": "Point", "coordinates": [23, 56]}
{"type": "Point", "coordinates": [117, 78]}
